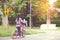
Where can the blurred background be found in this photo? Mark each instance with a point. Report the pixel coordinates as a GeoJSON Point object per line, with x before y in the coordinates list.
{"type": "Point", "coordinates": [38, 8]}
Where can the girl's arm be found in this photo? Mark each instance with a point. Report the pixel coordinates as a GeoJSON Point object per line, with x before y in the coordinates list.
{"type": "Point", "coordinates": [21, 20]}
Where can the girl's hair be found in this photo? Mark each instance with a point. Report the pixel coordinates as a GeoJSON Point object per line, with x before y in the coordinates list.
{"type": "Point", "coordinates": [18, 16]}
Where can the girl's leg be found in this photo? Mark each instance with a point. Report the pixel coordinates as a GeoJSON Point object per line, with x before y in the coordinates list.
{"type": "Point", "coordinates": [23, 33]}
{"type": "Point", "coordinates": [19, 32]}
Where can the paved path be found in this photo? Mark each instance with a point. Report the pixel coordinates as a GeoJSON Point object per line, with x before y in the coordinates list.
{"type": "Point", "coordinates": [51, 35]}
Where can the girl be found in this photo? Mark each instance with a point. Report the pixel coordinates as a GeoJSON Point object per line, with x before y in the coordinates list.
{"type": "Point", "coordinates": [18, 24]}
{"type": "Point", "coordinates": [23, 25]}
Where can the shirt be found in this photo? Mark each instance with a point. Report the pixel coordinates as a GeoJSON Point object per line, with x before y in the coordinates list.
{"type": "Point", "coordinates": [18, 22]}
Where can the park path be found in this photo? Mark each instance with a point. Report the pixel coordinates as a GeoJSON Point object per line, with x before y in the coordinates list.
{"type": "Point", "coordinates": [51, 35]}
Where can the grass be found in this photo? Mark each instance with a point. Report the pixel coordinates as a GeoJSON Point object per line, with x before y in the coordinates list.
{"type": "Point", "coordinates": [6, 32]}
{"type": "Point", "coordinates": [9, 31]}
{"type": "Point", "coordinates": [34, 30]}
{"type": "Point", "coordinates": [58, 28]}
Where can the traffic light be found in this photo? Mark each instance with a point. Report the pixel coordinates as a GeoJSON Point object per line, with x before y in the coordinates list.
{"type": "Point", "coordinates": [28, 7]}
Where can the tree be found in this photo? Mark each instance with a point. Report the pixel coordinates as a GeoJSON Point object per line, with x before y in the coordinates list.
{"type": "Point", "coordinates": [57, 4]}
{"type": "Point", "coordinates": [12, 5]}
{"type": "Point", "coordinates": [39, 10]}
{"type": "Point", "coordinates": [40, 7]}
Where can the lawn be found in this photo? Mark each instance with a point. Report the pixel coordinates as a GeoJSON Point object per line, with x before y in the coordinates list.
{"type": "Point", "coordinates": [9, 31]}
{"type": "Point", "coordinates": [58, 28]}
{"type": "Point", "coordinates": [6, 31]}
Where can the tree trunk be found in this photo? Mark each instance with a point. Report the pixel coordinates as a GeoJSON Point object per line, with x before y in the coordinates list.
{"type": "Point", "coordinates": [48, 21]}
{"type": "Point", "coordinates": [5, 21]}
{"type": "Point", "coordinates": [48, 17]}
{"type": "Point", "coordinates": [4, 17]}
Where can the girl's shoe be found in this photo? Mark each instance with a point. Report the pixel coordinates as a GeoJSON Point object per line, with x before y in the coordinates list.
{"type": "Point", "coordinates": [14, 37]}
{"type": "Point", "coordinates": [19, 37]}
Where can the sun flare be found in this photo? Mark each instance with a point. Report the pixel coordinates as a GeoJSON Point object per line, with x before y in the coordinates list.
{"type": "Point", "coordinates": [51, 1]}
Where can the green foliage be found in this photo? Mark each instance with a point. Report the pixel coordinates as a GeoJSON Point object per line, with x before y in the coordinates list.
{"type": "Point", "coordinates": [39, 8]}
{"type": "Point", "coordinates": [12, 14]}
{"type": "Point", "coordinates": [57, 4]}
{"type": "Point", "coordinates": [0, 8]}
{"type": "Point", "coordinates": [18, 5]}
{"type": "Point", "coordinates": [28, 16]}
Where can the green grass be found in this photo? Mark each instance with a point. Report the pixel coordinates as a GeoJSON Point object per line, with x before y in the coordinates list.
{"type": "Point", "coordinates": [9, 31]}
{"type": "Point", "coordinates": [34, 30]}
{"type": "Point", "coordinates": [6, 31]}
{"type": "Point", "coordinates": [58, 28]}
